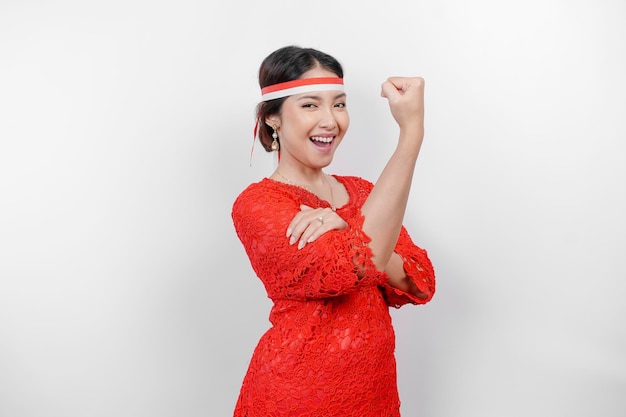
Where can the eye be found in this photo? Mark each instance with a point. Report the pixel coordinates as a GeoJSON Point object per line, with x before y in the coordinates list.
{"type": "Point", "coordinates": [341, 105]}
{"type": "Point", "coordinates": [308, 106]}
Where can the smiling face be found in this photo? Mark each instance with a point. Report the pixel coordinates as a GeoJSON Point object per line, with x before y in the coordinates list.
{"type": "Point", "coordinates": [311, 126]}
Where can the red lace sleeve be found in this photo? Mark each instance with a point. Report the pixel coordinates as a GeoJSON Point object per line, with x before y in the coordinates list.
{"type": "Point", "coordinates": [418, 267]}
{"type": "Point", "coordinates": [337, 263]}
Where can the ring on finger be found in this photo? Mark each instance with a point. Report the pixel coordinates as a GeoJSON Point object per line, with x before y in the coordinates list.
{"type": "Point", "coordinates": [321, 219]}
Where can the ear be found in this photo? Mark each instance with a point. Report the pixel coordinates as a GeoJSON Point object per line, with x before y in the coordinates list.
{"type": "Point", "coordinates": [272, 121]}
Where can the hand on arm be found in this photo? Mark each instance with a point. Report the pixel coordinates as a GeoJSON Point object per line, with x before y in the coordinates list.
{"type": "Point", "coordinates": [309, 224]}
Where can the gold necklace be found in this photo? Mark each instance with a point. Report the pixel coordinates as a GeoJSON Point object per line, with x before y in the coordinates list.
{"type": "Point", "coordinates": [332, 198]}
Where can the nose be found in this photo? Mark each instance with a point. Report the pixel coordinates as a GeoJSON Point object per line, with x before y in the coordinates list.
{"type": "Point", "coordinates": [327, 118]}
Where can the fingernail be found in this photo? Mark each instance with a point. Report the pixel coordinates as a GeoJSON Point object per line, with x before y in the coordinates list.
{"type": "Point", "coordinates": [301, 244]}
{"type": "Point", "coordinates": [292, 240]}
{"type": "Point", "coordinates": [288, 232]}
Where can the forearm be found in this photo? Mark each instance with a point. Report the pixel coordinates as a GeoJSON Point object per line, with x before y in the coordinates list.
{"type": "Point", "coordinates": [385, 207]}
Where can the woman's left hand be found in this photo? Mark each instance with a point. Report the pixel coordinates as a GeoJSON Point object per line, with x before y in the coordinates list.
{"type": "Point", "coordinates": [311, 223]}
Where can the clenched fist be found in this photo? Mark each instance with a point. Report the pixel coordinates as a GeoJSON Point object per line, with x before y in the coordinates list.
{"type": "Point", "coordinates": [406, 101]}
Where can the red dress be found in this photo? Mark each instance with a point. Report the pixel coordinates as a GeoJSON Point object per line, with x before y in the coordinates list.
{"type": "Point", "coordinates": [330, 351]}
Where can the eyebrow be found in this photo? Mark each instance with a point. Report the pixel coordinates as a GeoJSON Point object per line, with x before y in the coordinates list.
{"type": "Point", "coordinates": [310, 97]}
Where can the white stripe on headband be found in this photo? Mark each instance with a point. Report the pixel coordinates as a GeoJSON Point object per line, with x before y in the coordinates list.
{"type": "Point", "coordinates": [303, 85]}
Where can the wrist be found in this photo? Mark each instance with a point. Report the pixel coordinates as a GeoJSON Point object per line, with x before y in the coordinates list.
{"type": "Point", "coordinates": [414, 131]}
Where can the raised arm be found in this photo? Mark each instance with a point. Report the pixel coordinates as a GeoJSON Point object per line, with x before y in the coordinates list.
{"type": "Point", "coordinates": [385, 207]}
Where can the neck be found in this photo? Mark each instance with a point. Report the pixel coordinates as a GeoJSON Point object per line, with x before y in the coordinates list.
{"type": "Point", "coordinates": [302, 174]}
{"type": "Point", "coordinates": [319, 186]}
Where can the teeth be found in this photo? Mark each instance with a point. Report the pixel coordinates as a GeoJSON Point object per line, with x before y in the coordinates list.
{"type": "Point", "coordinates": [321, 139]}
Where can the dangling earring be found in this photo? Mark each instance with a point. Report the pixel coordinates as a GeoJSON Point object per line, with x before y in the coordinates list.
{"type": "Point", "coordinates": [275, 145]}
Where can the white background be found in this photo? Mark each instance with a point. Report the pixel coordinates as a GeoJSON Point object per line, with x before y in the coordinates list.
{"type": "Point", "coordinates": [125, 135]}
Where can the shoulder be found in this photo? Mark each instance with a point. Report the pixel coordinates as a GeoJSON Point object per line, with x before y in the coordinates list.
{"type": "Point", "coordinates": [354, 180]}
{"type": "Point", "coordinates": [254, 192]}
{"type": "Point", "coordinates": [251, 190]}
{"type": "Point", "coordinates": [356, 186]}
{"type": "Point", "coordinates": [265, 195]}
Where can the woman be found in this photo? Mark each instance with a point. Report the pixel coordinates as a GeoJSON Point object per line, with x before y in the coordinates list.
{"type": "Point", "coordinates": [331, 251]}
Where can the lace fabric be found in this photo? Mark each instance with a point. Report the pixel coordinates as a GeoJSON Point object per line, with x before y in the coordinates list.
{"type": "Point", "coordinates": [330, 350]}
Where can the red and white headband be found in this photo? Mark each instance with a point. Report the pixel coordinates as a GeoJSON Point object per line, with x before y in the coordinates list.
{"type": "Point", "coordinates": [303, 85]}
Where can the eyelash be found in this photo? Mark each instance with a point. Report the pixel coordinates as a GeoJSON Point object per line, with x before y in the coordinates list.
{"type": "Point", "coordinates": [311, 105]}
